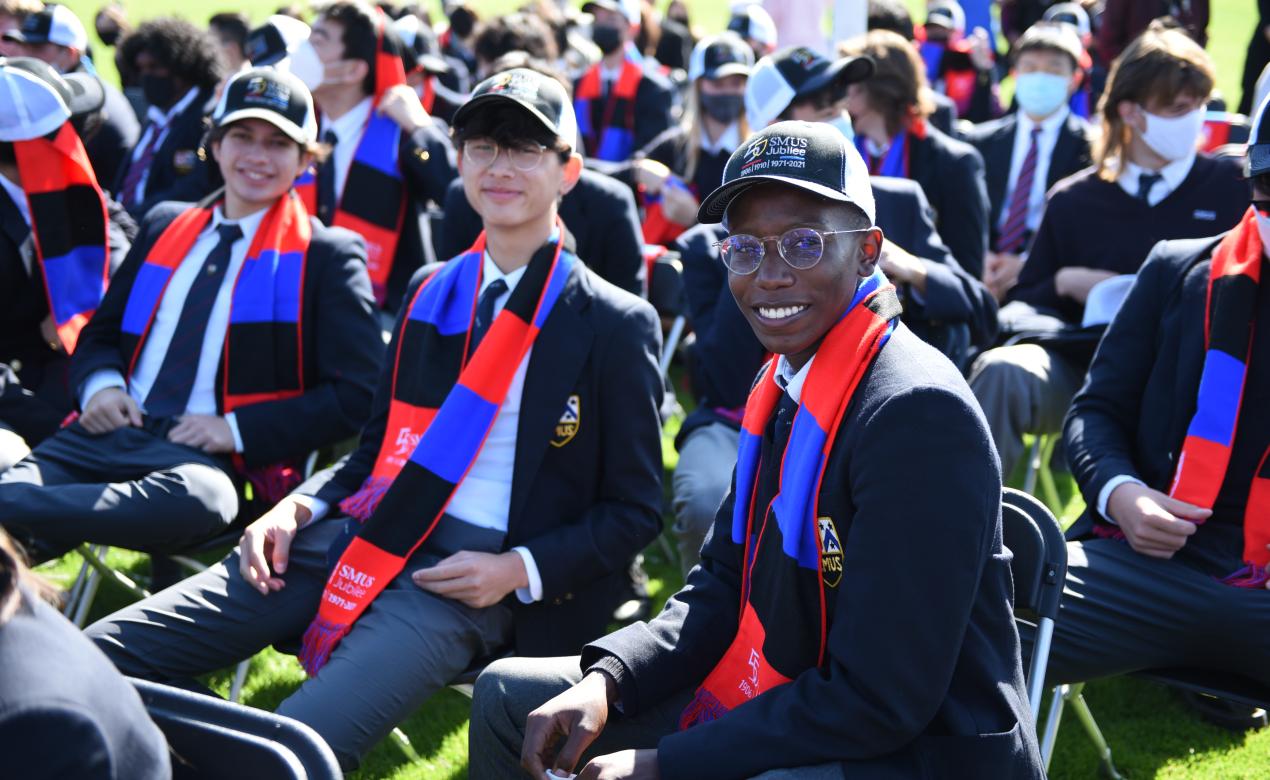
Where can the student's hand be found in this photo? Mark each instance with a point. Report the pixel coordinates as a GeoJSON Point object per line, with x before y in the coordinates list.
{"type": "Point", "coordinates": [110, 408]}
{"type": "Point", "coordinates": [477, 579]}
{"type": "Point", "coordinates": [679, 206]}
{"type": "Point", "coordinates": [206, 432]}
{"type": "Point", "coordinates": [1001, 272]}
{"type": "Point", "coordinates": [902, 267]}
{"type": "Point", "coordinates": [651, 175]}
{"type": "Point", "coordinates": [1154, 524]}
{"type": "Point", "coordinates": [626, 765]}
{"type": "Point", "coordinates": [267, 542]}
{"type": "Point", "coordinates": [577, 716]}
{"type": "Point", "coordinates": [401, 105]}
{"type": "Point", "coordinates": [1075, 282]}
{"type": "Point", "coordinates": [48, 332]}
{"type": "Point", "coordinates": [981, 55]}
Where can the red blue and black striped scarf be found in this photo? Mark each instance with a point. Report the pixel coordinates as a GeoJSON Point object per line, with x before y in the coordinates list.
{"type": "Point", "coordinates": [895, 161]}
{"type": "Point", "coordinates": [754, 662]}
{"type": "Point", "coordinates": [69, 224]}
{"type": "Point", "coordinates": [1233, 277]}
{"type": "Point", "coordinates": [373, 203]}
{"type": "Point", "coordinates": [440, 413]}
{"type": "Point", "coordinates": [608, 130]}
{"type": "Point", "coordinates": [262, 358]}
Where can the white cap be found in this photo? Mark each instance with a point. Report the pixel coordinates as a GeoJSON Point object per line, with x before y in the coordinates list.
{"type": "Point", "coordinates": [752, 21]}
{"type": "Point", "coordinates": [53, 24]}
{"type": "Point", "coordinates": [628, 8]}
{"type": "Point", "coordinates": [29, 108]}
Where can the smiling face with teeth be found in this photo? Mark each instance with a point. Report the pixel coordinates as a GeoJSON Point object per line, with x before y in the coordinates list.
{"type": "Point", "coordinates": [792, 309]}
{"type": "Point", "coordinates": [258, 162]}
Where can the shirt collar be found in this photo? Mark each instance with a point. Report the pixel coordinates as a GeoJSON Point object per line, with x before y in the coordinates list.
{"type": "Point", "coordinates": [163, 118]}
{"type": "Point", "coordinates": [491, 271]}
{"type": "Point", "coordinates": [18, 196]}
{"type": "Point", "coordinates": [248, 224]}
{"type": "Point", "coordinates": [791, 381]}
{"type": "Point", "coordinates": [728, 141]}
{"type": "Point", "coordinates": [1048, 125]}
{"type": "Point", "coordinates": [1174, 173]}
{"type": "Point", "coordinates": [348, 126]}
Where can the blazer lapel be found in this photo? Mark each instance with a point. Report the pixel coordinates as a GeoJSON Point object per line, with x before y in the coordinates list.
{"type": "Point", "coordinates": [559, 354]}
{"type": "Point", "coordinates": [1064, 151]}
{"type": "Point", "coordinates": [1000, 152]}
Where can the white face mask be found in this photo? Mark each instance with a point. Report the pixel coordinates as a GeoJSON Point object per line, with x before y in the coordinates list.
{"type": "Point", "coordinates": [843, 123]}
{"type": "Point", "coordinates": [305, 65]}
{"type": "Point", "coordinates": [1040, 94]}
{"type": "Point", "coordinates": [1173, 137]}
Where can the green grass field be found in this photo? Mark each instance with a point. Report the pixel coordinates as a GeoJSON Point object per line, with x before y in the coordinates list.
{"type": "Point", "coordinates": [1151, 733]}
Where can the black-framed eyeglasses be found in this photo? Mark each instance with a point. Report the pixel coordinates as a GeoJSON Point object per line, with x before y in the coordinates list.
{"type": "Point", "coordinates": [800, 247]}
{"type": "Point", "coordinates": [482, 152]}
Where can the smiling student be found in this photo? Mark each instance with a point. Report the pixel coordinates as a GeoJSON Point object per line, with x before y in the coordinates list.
{"type": "Point", "coordinates": [232, 342]}
{"type": "Point", "coordinates": [507, 477]}
{"type": "Point", "coordinates": [784, 651]}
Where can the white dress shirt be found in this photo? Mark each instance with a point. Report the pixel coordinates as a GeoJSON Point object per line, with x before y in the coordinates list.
{"type": "Point", "coordinates": [1050, 127]}
{"type": "Point", "coordinates": [484, 496]}
{"type": "Point", "coordinates": [348, 131]}
{"type": "Point", "coordinates": [158, 122]}
{"type": "Point", "coordinates": [1174, 174]}
{"type": "Point", "coordinates": [203, 395]}
{"type": "Point", "coordinates": [791, 381]}
{"type": "Point", "coordinates": [729, 140]}
{"type": "Point", "coordinates": [18, 196]}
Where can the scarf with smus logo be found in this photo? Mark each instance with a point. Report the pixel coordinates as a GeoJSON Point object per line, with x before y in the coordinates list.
{"type": "Point", "coordinates": [441, 409]}
{"type": "Point", "coordinates": [785, 534]}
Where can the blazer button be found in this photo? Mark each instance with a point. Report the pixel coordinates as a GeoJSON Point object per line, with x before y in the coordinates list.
{"type": "Point", "coordinates": [422, 154]}
{"type": "Point", "coordinates": [556, 601]}
{"type": "Point", "coordinates": [568, 597]}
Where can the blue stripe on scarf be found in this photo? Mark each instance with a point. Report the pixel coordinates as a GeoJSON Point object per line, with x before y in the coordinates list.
{"type": "Point", "coordinates": [746, 472]}
{"type": "Point", "coordinates": [446, 303]}
{"type": "Point", "coordinates": [309, 176]}
{"type": "Point", "coordinates": [455, 436]}
{"type": "Point", "coordinates": [144, 296]}
{"type": "Point", "coordinates": [795, 504]}
{"type": "Point", "coordinates": [582, 108]}
{"type": "Point", "coordinates": [268, 287]}
{"type": "Point", "coordinates": [932, 56]}
{"type": "Point", "coordinates": [378, 147]}
{"type": "Point", "coordinates": [893, 162]}
{"type": "Point", "coordinates": [75, 281]}
{"type": "Point", "coordinates": [1219, 387]}
{"type": "Point", "coordinates": [617, 143]}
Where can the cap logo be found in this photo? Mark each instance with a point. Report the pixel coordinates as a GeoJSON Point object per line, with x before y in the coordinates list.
{"type": "Point", "coordinates": [775, 151]}
{"type": "Point", "coordinates": [804, 57]}
{"type": "Point", "coordinates": [265, 92]}
{"type": "Point", "coordinates": [519, 84]}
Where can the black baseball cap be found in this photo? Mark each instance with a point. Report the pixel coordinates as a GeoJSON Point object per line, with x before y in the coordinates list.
{"type": "Point", "coordinates": [419, 46]}
{"type": "Point", "coordinates": [1257, 161]}
{"type": "Point", "coordinates": [726, 54]}
{"type": "Point", "coordinates": [278, 98]}
{"type": "Point", "coordinates": [52, 24]}
{"type": "Point", "coordinates": [539, 94]}
{"type": "Point", "coordinates": [781, 78]}
{"type": "Point", "coordinates": [813, 156]}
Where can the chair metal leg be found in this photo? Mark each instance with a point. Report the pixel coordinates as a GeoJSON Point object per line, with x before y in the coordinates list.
{"type": "Point", "coordinates": [1091, 728]}
{"type": "Point", "coordinates": [1040, 662]}
{"type": "Point", "coordinates": [240, 678]}
{"type": "Point", "coordinates": [1033, 466]}
{"type": "Point", "coordinates": [86, 596]}
{"type": "Point", "coordinates": [73, 594]}
{"type": "Point", "coordinates": [672, 343]}
{"type": "Point", "coordinates": [1057, 697]}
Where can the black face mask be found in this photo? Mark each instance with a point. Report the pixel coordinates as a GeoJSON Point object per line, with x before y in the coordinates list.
{"type": "Point", "coordinates": [723, 108]}
{"type": "Point", "coordinates": [159, 91]}
{"type": "Point", "coordinates": [462, 22]}
{"type": "Point", "coordinates": [609, 39]}
{"type": "Point", "coordinates": [109, 37]}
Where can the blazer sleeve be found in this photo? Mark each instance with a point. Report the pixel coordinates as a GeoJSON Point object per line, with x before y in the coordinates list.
{"type": "Point", "coordinates": [652, 109]}
{"type": "Point", "coordinates": [626, 515]}
{"type": "Point", "coordinates": [349, 352]}
{"type": "Point", "coordinates": [428, 163]}
{"type": "Point", "coordinates": [913, 564]}
{"type": "Point", "coordinates": [964, 215]}
{"type": "Point", "coordinates": [1102, 422]}
{"type": "Point", "coordinates": [613, 223]}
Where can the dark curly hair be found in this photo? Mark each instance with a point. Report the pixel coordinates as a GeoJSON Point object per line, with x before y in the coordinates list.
{"type": "Point", "coordinates": [188, 52]}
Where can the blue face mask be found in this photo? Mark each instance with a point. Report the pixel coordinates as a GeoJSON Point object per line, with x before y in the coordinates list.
{"type": "Point", "coordinates": [1040, 94]}
{"type": "Point", "coordinates": [843, 123]}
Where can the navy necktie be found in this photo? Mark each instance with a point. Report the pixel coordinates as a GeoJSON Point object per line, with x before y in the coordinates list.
{"type": "Point", "coordinates": [326, 181]}
{"type": "Point", "coordinates": [485, 312]}
{"type": "Point", "coordinates": [170, 393]}
{"type": "Point", "coordinates": [1145, 182]}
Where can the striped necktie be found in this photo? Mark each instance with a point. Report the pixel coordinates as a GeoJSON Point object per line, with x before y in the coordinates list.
{"type": "Point", "coordinates": [1015, 228]}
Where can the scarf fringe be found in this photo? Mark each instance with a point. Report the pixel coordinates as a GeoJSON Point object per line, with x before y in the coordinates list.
{"type": "Point", "coordinates": [361, 505]}
{"type": "Point", "coordinates": [1251, 576]}
{"type": "Point", "coordinates": [318, 643]}
{"type": "Point", "coordinates": [272, 483]}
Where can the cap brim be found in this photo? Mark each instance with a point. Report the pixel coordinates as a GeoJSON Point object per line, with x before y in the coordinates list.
{"type": "Point", "coordinates": [847, 70]}
{"type": "Point", "coordinates": [716, 203]}
{"type": "Point", "coordinates": [17, 37]}
{"type": "Point", "coordinates": [1258, 160]}
{"type": "Point", "coordinates": [467, 108]}
{"type": "Point", "coordinates": [293, 131]}
{"type": "Point", "coordinates": [87, 93]}
{"type": "Point", "coordinates": [433, 64]}
{"type": "Point", "coordinates": [727, 69]}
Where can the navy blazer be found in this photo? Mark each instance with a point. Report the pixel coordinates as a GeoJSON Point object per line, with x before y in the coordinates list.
{"type": "Point", "coordinates": [179, 169]}
{"type": "Point", "coordinates": [343, 348]}
{"type": "Point", "coordinates": [995, 141]}
{"type": "Point", "coordinates": [585, 503]}
{"type": "Point", "coordinates": [951, 174]}
{"type": "Point", "coordinates": [64, 709]}
{"type": "Point", "coordinates": [599, 212]}
{"type": "Point", "coordinates": [1133, 412]}
{"type": "Point", "coordinates": [922, 676]}
{"type": "Point", "coordinates": [109, 145]}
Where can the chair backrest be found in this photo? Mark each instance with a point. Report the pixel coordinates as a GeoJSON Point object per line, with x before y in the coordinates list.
{"type": "Point", "coordinates": [212, 738]}
{"type": "Point", "coordinates": [1034, 537]}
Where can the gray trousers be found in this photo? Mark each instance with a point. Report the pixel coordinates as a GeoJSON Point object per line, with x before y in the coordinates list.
{"type": "Point", "coordinates": [1123, 612]}
{"type": "Point", "coordinates": [405, 647]}
{"type": "Point", "coordinates": [508, 690]}
{"type": "Point", "coordinates": [1023, 388]}
{"type": "Point", "coordinates": [701, 482]}
{"type": "Point", "coordinates": [128, 488]}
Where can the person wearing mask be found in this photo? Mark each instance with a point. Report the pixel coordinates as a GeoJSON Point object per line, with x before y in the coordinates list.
{"type": "Point", "coordinates": [889, 111]}
{"type": "Point", "coordinates": [1027, 152]}
{"type": "Point", "coordinates": [622, 102]}
{"type": "Point", "coordinates": [1148, 184]}
{"type": "Point", "coordinates": [1090, 73]}
{"type": "Point", "coordinates": [56, 36]}
{"type": "Point", "coordinates": [686, 162]}
{"type": "Point", "coordinates": [893, 15]}
{"type": "Point", "coordinates": [178, 67]}
{"type": "Point", "coordinates": [960, 66]}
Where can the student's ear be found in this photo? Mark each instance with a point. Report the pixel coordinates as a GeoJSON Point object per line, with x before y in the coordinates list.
{"type": "Point", "coordinates": [357, 70]}
{"type": "Point", "coordinates": [572, 172]}
{"type": "Point", "coordinates": [870, 251]}
{"type": "Point", "coordinates": [1131, 114]}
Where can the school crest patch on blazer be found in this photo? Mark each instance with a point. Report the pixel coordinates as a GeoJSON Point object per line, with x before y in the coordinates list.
{"type": "Point", "coordinates": [567, 426]}
{"type": "Point", "coordinates": [830, 551]}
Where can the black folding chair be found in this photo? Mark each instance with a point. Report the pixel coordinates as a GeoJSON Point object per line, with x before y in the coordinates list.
{"type": "Point", "coordinates": [212, 738]}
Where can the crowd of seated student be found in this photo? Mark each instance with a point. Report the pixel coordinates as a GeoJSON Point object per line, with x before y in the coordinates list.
{"type": "Point", "coordinates": [221, 309]}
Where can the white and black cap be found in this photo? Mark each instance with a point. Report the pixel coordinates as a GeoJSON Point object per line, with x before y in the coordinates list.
{"type": "Point", "coordinates": [35, 99]}
{"type": "Point", "coordinates": [718, 56]}
{"type": "Point", "coordinates": [779, 79]}
{"type": "Point", "coordinates": [947, 14]}
{"type": "Point", "coordinates": [421, 49]}
{"type": "Point", "coordinates": [51, 24]}
{"type": "Point", "coordinates": [628, 8]}
{"type": "Point", "coordinates": [539, 94]}
{"type": "Point", "coordinates": [275, 40]}
{"type": "Point", "coordinates": [752, 22]}
{"type": "Point", "coordinates": [273, 96]}
{"type": "Point", "coordinates": [813, 156]}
